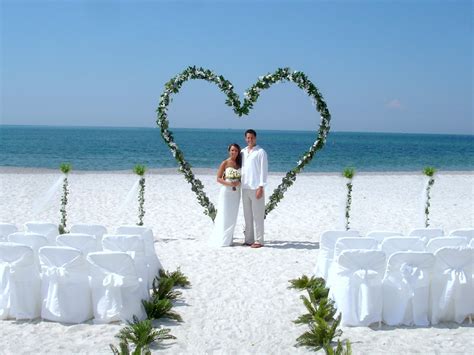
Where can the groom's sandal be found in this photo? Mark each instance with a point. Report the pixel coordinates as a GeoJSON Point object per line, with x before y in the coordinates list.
{"type": "Point", "coordinates": [247, 244]}
{"type": "Point", "coordinates": [256, 245]}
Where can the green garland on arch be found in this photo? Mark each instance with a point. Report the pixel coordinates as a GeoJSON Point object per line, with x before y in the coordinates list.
{"type": "Point", "coordinates": [251, 96]}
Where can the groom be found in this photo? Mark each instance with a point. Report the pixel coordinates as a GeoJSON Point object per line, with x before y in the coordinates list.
{"type": "Point", "coordinates": [253, 181]}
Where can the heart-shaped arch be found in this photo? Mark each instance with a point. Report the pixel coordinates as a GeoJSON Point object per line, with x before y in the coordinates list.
{"type": "Point", "coordinates": [280, 75]}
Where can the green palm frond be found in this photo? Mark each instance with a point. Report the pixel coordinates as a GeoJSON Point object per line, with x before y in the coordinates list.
{"type": "Point", "coordinates": [304, 283]}
{"type": "Point", "coordinates": [123, 348]}
{"type": "Point", "coordinates": [309, 305]}
{"type": "Point", "coordinates": [139, 169]}
{"type": "Point", "coordinates": [429, 171]}
{"type": "Point", "coordinates": [327, 311]}
{"type": "Point", "coordinates": [340, 349]}
{"type": "Point", "coordinates": [318, 293]}
{"type": "Point", "coordinates": [348, 173]}
{"type": "Point", "coordinates": [178, 277]}
{"type": "Point", "coordinates": [65, 168]}
{"type": "Point", "coordinates": [160, 308]}
{"type": "Point", "coordinates": [304, 319]}
{"type": "Point", "coordinates": [323, 326]}
{"type": "Point", "coordinates": [142, 334]}
{"type": "Point", "coordinates": [162, 288]}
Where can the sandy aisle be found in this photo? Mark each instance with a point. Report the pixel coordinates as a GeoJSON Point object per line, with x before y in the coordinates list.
{"type": "Point", "coordinates": [239, 301]}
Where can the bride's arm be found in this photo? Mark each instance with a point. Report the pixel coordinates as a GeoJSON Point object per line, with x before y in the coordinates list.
{"type": "Point", "coordinates": [220, 175]}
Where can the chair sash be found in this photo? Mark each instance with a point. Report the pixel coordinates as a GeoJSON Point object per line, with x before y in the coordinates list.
{"type": "Point", "coordinates": [360, 283]}
{"type": "Point", "coordinates": [111, 304]}
{"type": "Point", "coordinates": [452, 292]}
{"type": "Point", "coordinates": [57, 275]}
{"type": "Point", "coordinates": [411, 281]}
{"type": "Point", "coordinates": [8, 270]}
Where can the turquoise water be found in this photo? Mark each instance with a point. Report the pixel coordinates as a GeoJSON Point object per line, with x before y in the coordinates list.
{"type": "Point", "coordinates": [92, 148]}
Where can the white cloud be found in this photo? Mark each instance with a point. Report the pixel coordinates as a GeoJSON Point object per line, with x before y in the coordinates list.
{"type": "Point", "coordinates": [394, 104]}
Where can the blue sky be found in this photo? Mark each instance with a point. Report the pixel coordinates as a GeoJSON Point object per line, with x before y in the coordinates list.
{"type": "Point", "coordinates": [382, 66]}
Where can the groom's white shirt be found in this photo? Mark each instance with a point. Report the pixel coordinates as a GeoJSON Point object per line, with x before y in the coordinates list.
{"type": "Point", "coordinates": [254, 168]}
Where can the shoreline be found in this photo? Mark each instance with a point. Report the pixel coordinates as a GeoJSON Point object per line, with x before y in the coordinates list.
{"type": "Point", "coordinates": [211, 171]}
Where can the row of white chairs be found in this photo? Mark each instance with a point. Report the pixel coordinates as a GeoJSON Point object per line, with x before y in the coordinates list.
{"type": "Point", "coordinates": [424, 233]}
{"type": "Point", "coordinates": [71, 287]}
{"type": "Point", "coordinates": [147, 265]}
{"type": "Point", "coordinates": [51, 230]}
{"type": "Point", "coordinates": [414, 288]}
{"type": "Point", "coordinates": [89, 238]}
{"type": "Point", "coordinates": [390, 246]}
{"type": "Point", "coordinates": [328, 240]}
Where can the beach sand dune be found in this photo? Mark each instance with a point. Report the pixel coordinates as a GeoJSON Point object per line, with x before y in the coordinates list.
{"type": "Point", "coordinates": [239, 302]}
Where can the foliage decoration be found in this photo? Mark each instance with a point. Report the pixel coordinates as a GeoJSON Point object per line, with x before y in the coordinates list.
{"type": "Point", "coordinates": [348, 173]}
{"type": "Point", "coordinates": [140, 171]}
{"type": "Point", "coordinates": [141, 334]}
{"type": "Point", "coordinates": [178, 277]}
{"type": "Point", "coordinates": [65, 169]}
{"type": "Point", "coordinates": [323, 327]}
{"type": "Point", "coordinates": [429, 172]}
{"type": "Point", "coordinates": [251, 95]}
{"type": "Point", "coordinates": [160, 303]}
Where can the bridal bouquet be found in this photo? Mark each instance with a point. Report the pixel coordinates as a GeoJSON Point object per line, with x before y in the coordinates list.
{"type": "Point", "coordinates": [232, 175]}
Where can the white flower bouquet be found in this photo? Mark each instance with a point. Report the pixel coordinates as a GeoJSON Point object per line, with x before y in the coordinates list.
{"type": "Point", "coordinates": [232, 175]}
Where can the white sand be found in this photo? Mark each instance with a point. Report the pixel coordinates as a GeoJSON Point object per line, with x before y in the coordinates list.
{"type": "Point", "coordinates": [239, 301]}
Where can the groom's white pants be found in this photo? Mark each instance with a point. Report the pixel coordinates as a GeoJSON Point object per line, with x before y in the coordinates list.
{"type": "Point", "coordinates": [254, 214]}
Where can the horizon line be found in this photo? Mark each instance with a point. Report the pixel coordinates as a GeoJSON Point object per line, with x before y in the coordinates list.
{"type": "Point", "coordinates": [226, 129]}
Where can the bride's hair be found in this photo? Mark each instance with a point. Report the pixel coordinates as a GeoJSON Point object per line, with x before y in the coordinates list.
{"type": "Point", "coordinates": [239, 157]}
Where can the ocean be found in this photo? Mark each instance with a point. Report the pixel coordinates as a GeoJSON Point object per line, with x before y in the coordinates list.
{"type": "Point", "coordinates": [112, 148]}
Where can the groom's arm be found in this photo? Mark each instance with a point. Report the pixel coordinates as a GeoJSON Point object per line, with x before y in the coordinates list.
{"type": "Point", "coordinates": [263, 174]}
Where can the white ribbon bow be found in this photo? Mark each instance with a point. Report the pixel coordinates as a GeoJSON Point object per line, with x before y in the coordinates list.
{"type": "Point", "coordinates": [362, 281]}
{"type": "Point", "coordinates": [456, 278]}
{"type": "Point", "coordinates": [55, 274]}
{"type": "Point", "coordinates": [6, 273]}
{"type": "Point", "coordinates": [111, 303]}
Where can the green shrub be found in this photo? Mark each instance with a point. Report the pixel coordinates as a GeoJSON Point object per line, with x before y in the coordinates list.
{"type": "Point", "coordinates": [323, 327]}
{"type": "Point", "coordinates": [141, 334]}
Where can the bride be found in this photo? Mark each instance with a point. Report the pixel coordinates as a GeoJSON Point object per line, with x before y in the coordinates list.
{"type": "Point", "coordinates": [228, 175]}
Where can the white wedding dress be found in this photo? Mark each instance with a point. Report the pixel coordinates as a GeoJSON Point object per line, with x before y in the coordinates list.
{"type": "Point", "coordinates": [227, 210]}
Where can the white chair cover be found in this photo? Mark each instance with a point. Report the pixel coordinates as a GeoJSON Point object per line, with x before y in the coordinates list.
{"type": "Point", "coordinates": [116, 290]}
{"type": "Point", "coordinates": [451, 285]}
{"type": "Point", "coordinates": [135, 247]}
{"type": "Point", "coordinates": [392, 245]}
{"type": "Point", "coordinates": [326, 250]}
{"type": "Point", "coordinates": [357, 286]}
{"type": "Point", "coordinates": [471, 243]}
{"type": "Point", "coordinates": [86, 243]}
{"type": "Point", "coordinates": [349, 243]}
{"type": "Point", "coordinates": [65, 288]}
{"type": "Point", "coordinates": [441, 242]}
{"type": "Point", "coordinates": [153, 263]}
{"type": "Point", "coordinates": [19, 282]}
{"type": "Point", "coordinates": [6, 229]}
{"type": "Point", "coordinates": [379, 236]}
{"type": "Point", "coordinates": [49, 230]}
{"type": "Point", "coordinates": [463, 232]}
{"type": "Point", "coordinates": [97, 230]}
{"type": "Point", "coordinates": [33, 240]}
{"type": "Point", "coordinates": [406, 288]}
{"type": "Point", "coordinates": [425, 234]}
